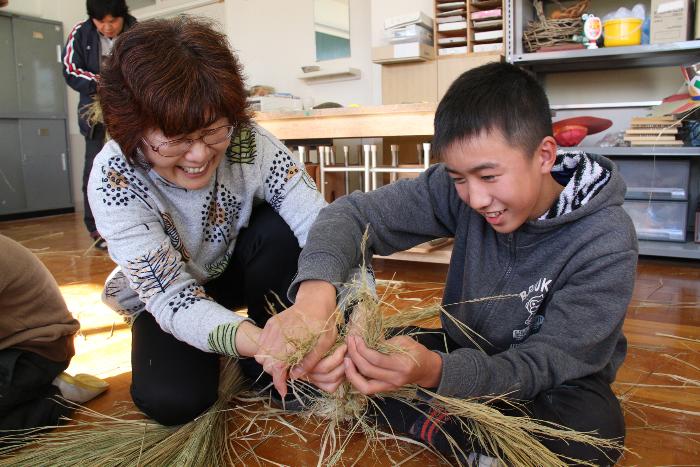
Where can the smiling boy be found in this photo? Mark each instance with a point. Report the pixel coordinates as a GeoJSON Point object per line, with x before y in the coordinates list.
{"type": "Point", "coordinates": [543, 229]}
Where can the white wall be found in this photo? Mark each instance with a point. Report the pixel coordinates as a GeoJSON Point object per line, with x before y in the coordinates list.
{"type": "Point", "coordinates": [274, 38]}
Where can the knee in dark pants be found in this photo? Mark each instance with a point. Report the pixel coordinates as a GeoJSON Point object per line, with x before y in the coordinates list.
{"type": "Point", "coordinates": [588, 405]}
{"type": "Point", "coordinates": [267, 252]}
{"type": "Point", "coordinates": [170, 406]}
{"type": "Point", "coordinates": [267, 239]}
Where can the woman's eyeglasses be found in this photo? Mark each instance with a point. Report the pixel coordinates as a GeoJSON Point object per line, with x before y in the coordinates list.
{"type": "Point", "coordinates": [178, 147]}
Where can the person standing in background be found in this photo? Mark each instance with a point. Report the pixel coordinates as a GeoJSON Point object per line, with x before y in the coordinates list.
{"type": "Point", "coordinates": [88, 44]}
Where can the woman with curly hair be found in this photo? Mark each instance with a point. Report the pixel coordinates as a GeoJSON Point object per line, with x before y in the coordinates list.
{"type": "Point", "coordinates": [202, 210]}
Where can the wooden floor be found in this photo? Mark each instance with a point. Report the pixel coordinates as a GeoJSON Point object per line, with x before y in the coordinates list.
{"type": "Point", "coordinates": [659, 382]}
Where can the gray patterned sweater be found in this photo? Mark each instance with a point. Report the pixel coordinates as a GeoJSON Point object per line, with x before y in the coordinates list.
{"type": "Point", "coordinates": [168, 241]}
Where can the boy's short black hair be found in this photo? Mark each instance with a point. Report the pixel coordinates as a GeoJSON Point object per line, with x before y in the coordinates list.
{"type": "Point", "coordinates": [495, 96]}
{"type": "Point", "coordinates": [98, 9]}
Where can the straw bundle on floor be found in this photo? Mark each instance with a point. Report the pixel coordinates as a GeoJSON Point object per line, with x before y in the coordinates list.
{"type": "Point", "coordinates": [98, 439]}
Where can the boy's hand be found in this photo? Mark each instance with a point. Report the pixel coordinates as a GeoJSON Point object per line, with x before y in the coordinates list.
{"type": "Point", "coordinates": [311, 315]}
{"type": "Point", "coordinates": [329, 374]}
{"type": "Point", "coordinates": [372, 372]}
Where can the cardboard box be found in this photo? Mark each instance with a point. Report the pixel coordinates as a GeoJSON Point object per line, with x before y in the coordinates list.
{"type": "Point", "coordinates": [670, 21]}
{"type": "Point", "coordinates": [406, 52]}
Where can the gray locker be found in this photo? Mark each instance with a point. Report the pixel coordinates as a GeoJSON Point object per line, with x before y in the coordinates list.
{"type": "Point", "coordinates": [39, 73]}
{"type": "Point", "coordinates": [8, 72]}
{"type": "Point", "coordinates": [45, 164]}
{"type": "Point", "coordinates": [12, 191]}
{"type": "Point", "coordinates": [34, 157]}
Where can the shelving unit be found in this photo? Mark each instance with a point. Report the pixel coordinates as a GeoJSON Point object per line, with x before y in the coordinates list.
{"type": "Point", "coordinates": [632, 56]}
{"type": "Point", "coordinates": [658, 151]}
{"type": "Point", "coordinates": [520, 12]}
{"type": "Point", "coordinates": [469, 27]}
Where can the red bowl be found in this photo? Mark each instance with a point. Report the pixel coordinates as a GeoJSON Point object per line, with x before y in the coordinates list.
{"type": "Point", "coordinates": [570, 135]}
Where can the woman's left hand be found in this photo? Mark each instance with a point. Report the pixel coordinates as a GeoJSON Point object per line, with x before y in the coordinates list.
{"type": "Point", "coordinates": [247, 337]}
{"type": "Point", "coordinates": [372, 372]}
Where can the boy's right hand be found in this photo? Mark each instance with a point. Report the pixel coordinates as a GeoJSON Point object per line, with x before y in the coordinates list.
{"type": "Point", "coordinates": [312, 314]}
{"type": "Point", "coordinates": [329, 373]}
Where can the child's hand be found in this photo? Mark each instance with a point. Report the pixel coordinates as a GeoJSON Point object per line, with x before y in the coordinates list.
{"type": "Point", "coordinates": [329, 374]}
{"type": "Point", "coordinates": [371, 372]}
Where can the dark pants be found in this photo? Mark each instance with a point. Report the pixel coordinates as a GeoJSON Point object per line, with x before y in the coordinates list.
{"type": "Point", "coordinates": [173, 382]}
{"type": "Point", "coordinates": [585, 404]}
{"type": "Point", "coordinates": [26, 391]}
{"type": "Point", "coordinates": [93, 145]}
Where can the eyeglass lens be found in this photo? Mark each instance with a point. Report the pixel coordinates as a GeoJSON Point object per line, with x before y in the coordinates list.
{"type": "Point", "coordinates": [181, 146]}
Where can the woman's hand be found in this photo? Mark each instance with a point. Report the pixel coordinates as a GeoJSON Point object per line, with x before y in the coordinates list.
{"type": "Point", "coordinates": [372, 372]}
{"type": "Point", "coordinates": [247, 337]}
{"type": "Point", "coordinates": [311, 317]}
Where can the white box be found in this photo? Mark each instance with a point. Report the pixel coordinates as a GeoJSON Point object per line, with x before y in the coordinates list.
{"type": "Point", "coordinates": [405, 52]}
{"type": "Point", "coordinates": [670, 21]}
{"type": "Point", "coordinates": [410, 33]}
{"type": "Point", "coordinates": [417, 17]}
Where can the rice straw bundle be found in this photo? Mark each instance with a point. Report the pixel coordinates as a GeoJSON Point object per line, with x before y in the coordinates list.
{"type": "Point", "coordinates": [97, 439]}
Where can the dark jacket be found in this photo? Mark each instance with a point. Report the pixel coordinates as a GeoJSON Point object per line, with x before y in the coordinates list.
{"type": "Point", "coordinates": [568, 279]}
{"type": "Point", "coordinates": [81, 63]}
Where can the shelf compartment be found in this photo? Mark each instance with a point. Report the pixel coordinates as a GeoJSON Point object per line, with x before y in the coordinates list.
{"type": "Point", "coordinates": [660, 180]}
{"type": "Point", "coordinates": [670, 54]}
{"type": "Point", "coordinates": [658, 220]}
{"type": "Point", "coordinates": [688, 250]}
{"type": "Point", "coordinates": [641, 151]}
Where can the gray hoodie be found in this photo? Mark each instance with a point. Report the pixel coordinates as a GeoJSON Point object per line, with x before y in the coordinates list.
{"type": "Point", "coordinates": [569, 276]}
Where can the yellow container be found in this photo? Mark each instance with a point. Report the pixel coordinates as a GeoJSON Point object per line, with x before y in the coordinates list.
{"type": "Point", "coordinates": [622, 31]}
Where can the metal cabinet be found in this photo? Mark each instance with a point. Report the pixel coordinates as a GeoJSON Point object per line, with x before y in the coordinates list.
{"type": "Point", "coordinates": [34, 155]}
{"type": "Point", "coordinates": [44, 164]}
{"type": "Point", "coordinates": [8, 75]}
{"type": "Point", "coordinates": [38, 61]}
{"type": "Point", "coordinates": [11, 178]}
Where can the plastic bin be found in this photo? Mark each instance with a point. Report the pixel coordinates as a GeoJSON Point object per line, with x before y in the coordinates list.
{"type": "Point", "coordinates": [655, 179]}
{"type": "Point", "coordinates": [658, 220]}
{"type": "Point", "coordinates": [622, 31]}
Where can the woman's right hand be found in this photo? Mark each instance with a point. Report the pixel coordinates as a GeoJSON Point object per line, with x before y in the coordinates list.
{"type": "Point", "coordinates": [312, 315]}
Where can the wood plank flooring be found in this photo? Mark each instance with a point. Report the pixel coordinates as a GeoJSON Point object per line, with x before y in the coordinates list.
{"type": "Point", "coordinates": [659, 382]}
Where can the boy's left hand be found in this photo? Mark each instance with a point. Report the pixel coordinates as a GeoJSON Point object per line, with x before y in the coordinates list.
{"type": "Point", "coordinates": [372, 372]}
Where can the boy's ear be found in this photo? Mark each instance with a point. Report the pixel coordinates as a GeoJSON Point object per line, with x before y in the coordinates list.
{"type": "Point", "coordinates": [547, 154]}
